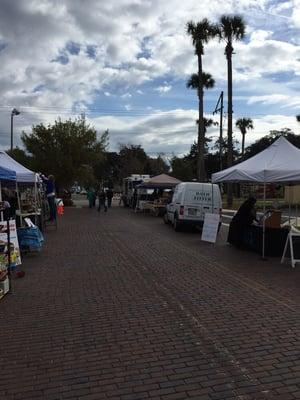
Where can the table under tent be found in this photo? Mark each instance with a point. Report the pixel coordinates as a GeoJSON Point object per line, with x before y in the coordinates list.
{"type": "Point", "coordinates": [279, 163]}
{"type": "Point", "coordinates": [155, 194]}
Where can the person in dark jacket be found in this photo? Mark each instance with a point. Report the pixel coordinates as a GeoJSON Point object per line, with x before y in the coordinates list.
{"type": "Point", "coordinates": [102, 200]}
{"type": "Point", "coordinates": [244, 217]}
{"type": "Point", "coordinates": [109, 195]}
{"type": "Point", "coordinates": [50, 194]}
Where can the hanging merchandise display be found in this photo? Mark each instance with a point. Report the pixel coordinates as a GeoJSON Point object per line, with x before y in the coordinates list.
{"type": "Point", "coordinates": [15, 257]}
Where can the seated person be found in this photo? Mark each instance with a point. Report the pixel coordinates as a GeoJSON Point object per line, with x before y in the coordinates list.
{"type": "Point", "coordinates": [244, 217]}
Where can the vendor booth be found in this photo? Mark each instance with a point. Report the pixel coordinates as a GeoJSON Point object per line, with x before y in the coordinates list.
{"type": "Point", "coordinates": [25, 196]}
{"type": "Point", "coordinates": [9, 249]}
{"type": "Point", "coordinates": [155, 194]}
{"type": "Point", "coordinates": [279, 163]}
{"type": "Point", "coordinates": [29, 197]}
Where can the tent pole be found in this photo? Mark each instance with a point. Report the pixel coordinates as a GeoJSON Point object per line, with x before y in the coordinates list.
{"type": "Point", "coordinates": [19, 203]}
{"type": "Point", "coordinates": [289, 205]}
{"type": "Point", "coordinates": [212, 198]}
{"type": "Point", "coordinates": [35, 200]}
{"type": "Point", "coordinates": [2, 217]}
{"type": "Point", "coordinates": [264, 224]}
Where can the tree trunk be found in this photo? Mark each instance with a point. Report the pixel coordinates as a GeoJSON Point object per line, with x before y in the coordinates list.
{"type": "Point", "coordinates": [243, 144]}
{"type": "Point", "coordinates": [201, 175]}
{"type": "Point", "coordinates": [229, 50]}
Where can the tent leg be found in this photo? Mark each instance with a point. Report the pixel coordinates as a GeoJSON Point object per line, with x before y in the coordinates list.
{"type": "Point", "coordinates": [290, 205]}
{"type": "Point", "coordinates": [264, 226]}
{"type": "Point", "coordinates": [2, 216]}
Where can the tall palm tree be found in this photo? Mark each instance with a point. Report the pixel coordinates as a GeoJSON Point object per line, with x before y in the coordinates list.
{"type": "Point", "coordinates": [208, 81]}
{"type": "Point", "coordinates": [243, 124]}
{"type": "Point", "coordinates": [201, 32]}
{"type": "Point", "coordinates": [230, 28]}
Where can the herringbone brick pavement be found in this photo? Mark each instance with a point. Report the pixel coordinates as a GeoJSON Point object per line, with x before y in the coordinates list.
{"type": "Point", "coordinates": [119, 306]}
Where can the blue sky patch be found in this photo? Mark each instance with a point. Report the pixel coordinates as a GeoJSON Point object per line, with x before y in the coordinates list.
{"type": "Point", "coordinates": [73, 48]}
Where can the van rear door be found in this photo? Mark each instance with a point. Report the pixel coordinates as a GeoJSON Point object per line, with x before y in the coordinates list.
{"type": "Point", "coordinates": [193, 202]}
{"type": "Point", "coordinates": [198, 201]}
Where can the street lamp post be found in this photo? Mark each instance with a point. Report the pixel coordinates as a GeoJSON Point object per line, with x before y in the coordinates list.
{"type": "Point", "coordinates": [13, 112]}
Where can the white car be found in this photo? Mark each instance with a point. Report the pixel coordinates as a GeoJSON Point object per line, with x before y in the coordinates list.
{"type": "Point", "coordinates": [190, 202]}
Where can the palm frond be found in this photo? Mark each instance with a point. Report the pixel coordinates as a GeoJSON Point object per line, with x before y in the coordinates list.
{"type": "Point", "coordinates": [201, 32]}
{"type": "Point", "coordinates": [208, 81]}
{"type": "Point", "coordinates": [232, 28]}
{"type": "Point", "coordinates": [244, 123]}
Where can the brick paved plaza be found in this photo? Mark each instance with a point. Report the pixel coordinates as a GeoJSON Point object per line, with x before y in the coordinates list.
{"type": "Point", "coordinates": [119, 306]}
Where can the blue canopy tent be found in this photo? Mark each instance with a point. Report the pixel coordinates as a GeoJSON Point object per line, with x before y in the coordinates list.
{"type": "Point", "coordinates": [7, 174]}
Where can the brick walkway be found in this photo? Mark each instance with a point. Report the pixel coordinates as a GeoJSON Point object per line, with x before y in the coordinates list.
{"type": "Point", "coordinates": [119, 306]}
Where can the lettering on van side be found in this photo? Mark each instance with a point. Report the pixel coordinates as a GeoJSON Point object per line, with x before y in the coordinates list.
{"type": "Point", "coordinates": [202, 196]}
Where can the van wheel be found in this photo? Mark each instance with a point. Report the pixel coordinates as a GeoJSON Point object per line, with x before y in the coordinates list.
{"type": "Point", "coordinates": [176, 224]}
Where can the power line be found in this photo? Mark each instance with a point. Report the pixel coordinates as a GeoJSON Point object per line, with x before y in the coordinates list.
{"type": "Point", "coordinates": [28, 110]}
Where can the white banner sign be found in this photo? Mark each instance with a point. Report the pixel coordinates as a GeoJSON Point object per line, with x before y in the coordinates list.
{"type": "Point", "coordinates": [210, 227]}
{"type": "Point", "coordinates": [14, 244]}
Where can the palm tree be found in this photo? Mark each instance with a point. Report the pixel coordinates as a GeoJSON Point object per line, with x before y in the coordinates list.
{"type": "Point", "coordinates": [243, 124]}
{"type": "Point", "coordinates": [201, 32]}
{"type": "Point", "coordinates": [208, 81]}
{"type": "Point", "coordinates": [230, 28]}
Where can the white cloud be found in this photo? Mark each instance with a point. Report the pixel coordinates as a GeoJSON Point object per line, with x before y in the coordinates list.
{"type": "Point", "coordinates": [126, 96]}
{"type": "Point", "coordinates": [268, 99]}
{"type": "Point", "coordinates": [260, 35]}
{"type": "Point", "coordinates": [163, 89]}
{"type": "Point", "coordinates": [296, 13]}
{"type": "Point", "coordinates": [121, 45]}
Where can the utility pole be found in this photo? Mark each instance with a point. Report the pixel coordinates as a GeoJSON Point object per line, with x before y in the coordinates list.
{"type": "Point", "coordinates": [219, 108]}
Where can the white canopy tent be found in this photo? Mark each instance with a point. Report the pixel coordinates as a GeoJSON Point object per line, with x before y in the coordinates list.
{"type": "Point", "coordinates": [279, 163]}
{"type": "Point", "coordinates": [24, 175]}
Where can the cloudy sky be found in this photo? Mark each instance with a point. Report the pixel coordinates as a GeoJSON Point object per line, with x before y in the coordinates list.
{"type": "Point", "coordinates": [125, 64]}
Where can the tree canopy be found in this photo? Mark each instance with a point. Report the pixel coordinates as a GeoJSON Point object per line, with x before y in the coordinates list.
{"type": "Point", "coordinates": [264, 142]}
{"type": "Point", "coordinates": [66, 149]}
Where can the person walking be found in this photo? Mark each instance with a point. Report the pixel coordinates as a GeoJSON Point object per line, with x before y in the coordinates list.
{"type": "Point", "coordinates": [109, 195]}
{"type": "Point", "coordinates": [91, 196]}
{"type": "Point", "coordinates": [102, 200]}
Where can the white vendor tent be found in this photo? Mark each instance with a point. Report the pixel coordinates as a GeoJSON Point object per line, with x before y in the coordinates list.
{"type": "Point", "coordinates": [279, 163]}
{"type": "Point", "coordinates": [24, 175]}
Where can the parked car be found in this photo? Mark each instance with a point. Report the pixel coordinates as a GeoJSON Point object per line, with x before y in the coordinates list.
{"type": "Point", "coordinates": [190, 202]}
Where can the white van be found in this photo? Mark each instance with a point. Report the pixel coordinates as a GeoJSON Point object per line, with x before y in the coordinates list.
{"type": "Point", "coordinates": [190, 202]}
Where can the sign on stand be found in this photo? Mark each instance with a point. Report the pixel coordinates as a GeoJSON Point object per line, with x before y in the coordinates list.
{"type": "Point", "coordinates": [14, 244]}
{"type": "Point", "coordinates": [292, 247]}
{"type": "Point", "coordinates": [210, 227]}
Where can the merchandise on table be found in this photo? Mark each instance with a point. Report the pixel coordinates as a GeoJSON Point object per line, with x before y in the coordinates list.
{"type": "Point", "coordinates": [4, 287]}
